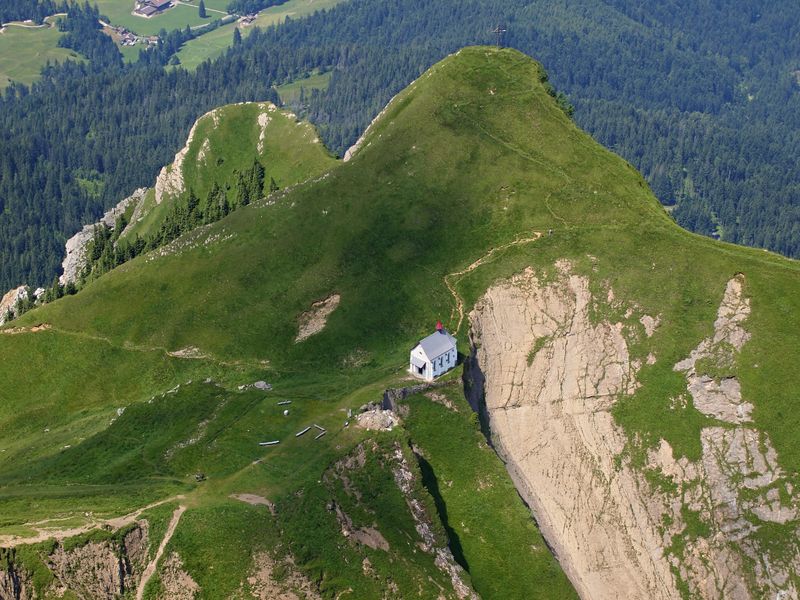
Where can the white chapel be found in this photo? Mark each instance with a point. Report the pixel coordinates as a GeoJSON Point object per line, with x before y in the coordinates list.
{"type": "Point", "coordinates": [434, 355]}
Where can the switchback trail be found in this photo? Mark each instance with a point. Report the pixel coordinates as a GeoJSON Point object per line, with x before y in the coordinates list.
{"type": "Point", "coordinates": [451, 287]}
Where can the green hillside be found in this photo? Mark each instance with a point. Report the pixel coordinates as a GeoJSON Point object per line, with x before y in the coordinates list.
{"type": "Point", "coordinates": [212, 44]}
{"type": "Point", "coordinates": [25, 49]}
{"type": "Point", "coordinates": [224, 143]}
{"type": "Point", "coordinates": [473, 156]}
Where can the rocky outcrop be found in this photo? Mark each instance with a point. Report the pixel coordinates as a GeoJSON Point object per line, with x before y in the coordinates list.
{"type": "Point", "coordinates": [735, 487]}
{"type": "Point", "coordinates": [170, 179]}
{"type": "Point", "coordinates": [720, 397]}
{"type": "Point", "coordinates": [15, 583]}
{"type": "Point", "coordinates": [264, 584]}
{"type": "Point", "coordinates": [263, 120]}
{"type": "Point", "coordinates": [407, 480]}
{"type": "Point", "coordinates": [550, 418]}
{"type": "Point", "coordinates": [177, 583]}
{"type": "Point", "coordinates": [104, 569]}
{"type": "Point", "coordinates": [314, 320]}
{"type": "Point", "coordinates": [550, 377]}
{"type": "Point", "coordinates": [404, 477]}
{"type": "Point", "coordinates": [377, 420]}
{"type": "Point", "coordinates": [9, 301]}
{"type": "Point", "coordinates": [366, 536]}
{"type": "Point", "coordinates": [738, 484]}
{"type": "Point", "coordinates": [75, 259]}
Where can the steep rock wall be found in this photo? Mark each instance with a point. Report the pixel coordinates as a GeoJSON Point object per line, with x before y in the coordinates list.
{"type": "Point", "coordinates": [549, 378]}
{"type": "Point", "coordinates": [549, 412]}
{"type": "Point", "coordinates": [15, 584]}
{"type": "Point", "coordinates": [101, 569]}
{"type": "Point", "coordinates": [76, 246]}
{"type": "Point", "coordinates": [104, 569]}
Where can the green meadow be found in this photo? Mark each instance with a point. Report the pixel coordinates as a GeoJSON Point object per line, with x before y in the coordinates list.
{"type": "Point", "coordinates": [212, 44]}
{"type": "Point", "coordinates": [25, 50]}
{"type": "Point", "coordinates": [290, 92]}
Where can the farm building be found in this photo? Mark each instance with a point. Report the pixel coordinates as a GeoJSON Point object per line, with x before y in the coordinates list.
{"type": "Point", "coordinates": [147, 8]}
{"type": "Point", "coordinates": [434, 355]}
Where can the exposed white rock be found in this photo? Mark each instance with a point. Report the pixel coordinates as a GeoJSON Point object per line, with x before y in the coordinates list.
{"type": "Point", "coordinates": [353, 150]}
{"type": "Point", "coordinates": [650, 324]}
{"type": "Point", "coordinates": [16, 583]}
{"type": "Point", "coordinates": [380, 420]}
{"type": "Point", "coordinates": [178, 584]}
{"type": "Point", "coordinates": [10, 299]}
{"type": "Point", "coordinates": [721, 399]}
{"type": "Point", "coordinates": [192, 352]}
{"type": "Point", "coordinates": [204, 150]}
{"type": "Point", "coordinates": [443, 557]}
{"type": "Point", "coordinates": [263, 121]}
{"type": "Point", "coordinates": [75, 259]}
{"type": "Point", "coordinates": [741, 458]}
{"type": "Point", "coordinates": [272, 579]}
{"type": "Point", "coordinates": [170, 179]}
{"type": "Point", "coordinates": [138, 210]}
{"type": "Point", "coordinates": [611, 528]}
{"type": "Point", "coordinates": [732, 460]}
{"type": "Point", "coordinates": [258, 385]}
{"type": "Point", "coordinates": [551, 420]}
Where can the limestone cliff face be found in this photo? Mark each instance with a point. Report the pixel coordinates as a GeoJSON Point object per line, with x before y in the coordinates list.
{"type": "Point", "coordinates": [15, 584]}
{"type": "Point", "coordinates": [101, 569]}
{"type": "Point", "coordinates": [10, 299]}
{"type": "Point", "coordinates": [95, 570]}
{"type": "Point", "coordinates": [550, 378]}
{"type": "Point", "coordinates": [170, 182]}
{"type": "Point", "coordinates": [76, 246]}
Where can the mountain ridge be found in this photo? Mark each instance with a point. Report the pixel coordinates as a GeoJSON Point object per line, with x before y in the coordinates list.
{"type": "Point", "coordinates": [474, 156]}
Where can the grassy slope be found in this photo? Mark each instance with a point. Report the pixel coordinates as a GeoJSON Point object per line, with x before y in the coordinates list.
{"type": "Point", "coordinates": [291, 151]}
{"type": "Point", "coordinates": [214, 43]}
{"type": "Point", "coordinates": [471, 156]}
{"type": "Point", "coordinates": [491, 531]}
{"type": "Point", "coordinates": [25, 50]}
{"type": "Point", "coordinates": [290, 92]}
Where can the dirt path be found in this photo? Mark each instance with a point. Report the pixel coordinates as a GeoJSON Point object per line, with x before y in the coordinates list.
{"type": "Point", "coordinates": [188, 353]}
{"type": "Point", "coordinates": [451, 287]}
{"type": "Point", "coordinates": [151, 567]}
{"type": "Point", "coordinates": [47, 23]}
{"type": "Point", "coordinates": [44, 534]}
{"type": "Point", "coordinates": [25, 26]}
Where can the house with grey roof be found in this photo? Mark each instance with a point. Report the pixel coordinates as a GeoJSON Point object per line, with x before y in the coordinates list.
{"type": "Point", "coordinates": [434, 355]}
{"type": "Point", "coordinates": [148, 8]}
